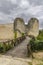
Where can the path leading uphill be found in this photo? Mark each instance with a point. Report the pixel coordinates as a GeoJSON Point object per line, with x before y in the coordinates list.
{"type": "Point", "coordinates": [17, 56]}
{"type": "Point", "coordinates": [20, 50]}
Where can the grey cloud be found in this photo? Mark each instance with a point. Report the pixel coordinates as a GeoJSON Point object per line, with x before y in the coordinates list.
{"type": "Point", "coordinates": [36, 2]}
{"type": "Point", "coordinates": [21, 8]}
{"type": "Point", "coordinates": [6, 6]}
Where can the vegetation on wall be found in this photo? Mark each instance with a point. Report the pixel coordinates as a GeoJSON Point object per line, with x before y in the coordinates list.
{"type": "Point", "coordinates": [15, 34]}
{"type": "Point", "coordinates": [23, 34]}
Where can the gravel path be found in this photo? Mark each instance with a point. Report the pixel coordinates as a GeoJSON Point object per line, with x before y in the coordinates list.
{"type": "Point", "coordinates": [20, 50]}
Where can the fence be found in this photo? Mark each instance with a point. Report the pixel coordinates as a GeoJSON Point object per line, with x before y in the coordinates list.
{"type": "Point", "coordinates": [5, 45]}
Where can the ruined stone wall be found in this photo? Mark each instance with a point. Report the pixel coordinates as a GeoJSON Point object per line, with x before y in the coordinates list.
{"type": "Point", "coordinates": [19, 25]}
{"type": "Point", "coordinates": [7, 31]}
{"type": "Point", "coordinates": [33, 27]}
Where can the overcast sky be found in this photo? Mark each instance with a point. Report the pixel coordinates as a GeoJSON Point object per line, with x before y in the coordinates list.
{"type": "Point", "coordinates": [10, 9]}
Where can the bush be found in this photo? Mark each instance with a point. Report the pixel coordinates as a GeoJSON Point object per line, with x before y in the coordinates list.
{"type": "Point", "coordinates": [40, 36]}
{"type": "Point", "coordinates": [8, 47]}
{"type": "Point", "coordinates": [23, 34]}
{"type": "Point", "coordinates": [36, 45]}
{"type": "Point", "coordinates": [1, 48]}
{"type": "Point", "coordinates": [5, 47]}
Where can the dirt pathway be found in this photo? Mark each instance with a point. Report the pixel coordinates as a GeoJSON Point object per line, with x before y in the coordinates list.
{"type": "Point", "coordinates": [17, 56]}
{"type": "Point", "coordinates": [20, 50]}
{"type": "Point", "coordinates": [8, 60]}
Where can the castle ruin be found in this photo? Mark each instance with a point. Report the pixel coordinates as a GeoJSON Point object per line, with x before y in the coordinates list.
{"type": "Point", "coordinates": [32, 28]}
{"type": "Point", "coordinates": [19, 26]}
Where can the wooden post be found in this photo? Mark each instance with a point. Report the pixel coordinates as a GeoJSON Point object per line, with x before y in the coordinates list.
{"type": "Point", "coordinates": [29, 51]}
{"type": "Point", "coordinates": [4, 47]}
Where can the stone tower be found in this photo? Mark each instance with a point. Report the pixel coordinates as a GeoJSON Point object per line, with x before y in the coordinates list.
{"type": "Point", "coordinates": [19, 26]}
{"type": "Point", "coordinates": [33, 27]}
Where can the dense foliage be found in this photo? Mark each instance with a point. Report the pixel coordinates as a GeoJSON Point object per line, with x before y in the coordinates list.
{"type": "Point", "coordinates": [37, 43]}
{"type": "Point", "coordinates": [5, 47]}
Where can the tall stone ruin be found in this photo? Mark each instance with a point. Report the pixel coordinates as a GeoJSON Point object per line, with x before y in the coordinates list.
{"type": "Point", "coordinates": [33, 27]}
{"type": "Point", "coordinates": [19, 26]}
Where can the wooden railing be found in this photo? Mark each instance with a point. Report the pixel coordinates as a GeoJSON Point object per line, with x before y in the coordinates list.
{"type": "Point", "coordinates": [11, 43]}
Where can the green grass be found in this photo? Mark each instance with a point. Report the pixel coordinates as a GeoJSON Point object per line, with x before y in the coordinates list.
{"type": "Point", "coordinates": [40, 36]}
{"type": "Point", "coordinates": [30, 63]}
{"type": "Point", "coordinates": [15, 35]}
{"type": "Point", "coordinates": [40, 64]}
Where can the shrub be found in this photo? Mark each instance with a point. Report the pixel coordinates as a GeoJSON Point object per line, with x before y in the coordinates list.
{"type": "Point", "coordinates": [40, 36]}
{"type": "Point", "coordinates": [8, 47]}
{"type": "Point", "coordinates": [5, 47]}
{"type": "Point", "coordinates": [1, 48]}
{"type": "Point", "coordinates": [23, 34]}
{"type": "Point", "coordinates": [36, 45]}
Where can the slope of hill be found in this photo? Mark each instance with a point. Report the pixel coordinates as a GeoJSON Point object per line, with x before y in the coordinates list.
{"type": "Point", "coordinates": [6, 31]}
